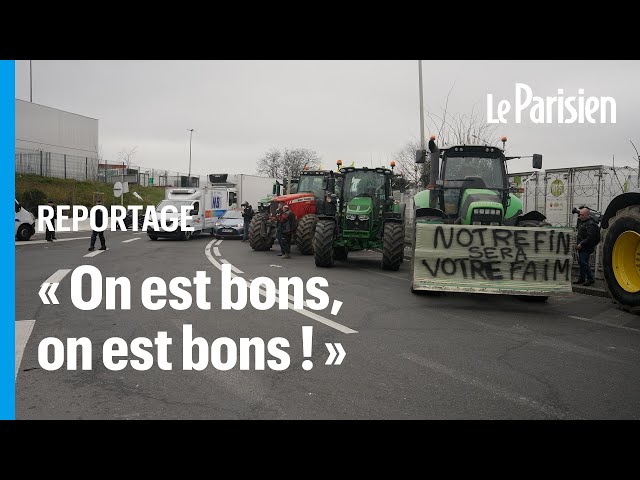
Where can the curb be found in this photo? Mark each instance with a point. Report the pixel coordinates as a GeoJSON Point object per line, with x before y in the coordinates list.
{"type": "Point", "coordinates": [594, 291]}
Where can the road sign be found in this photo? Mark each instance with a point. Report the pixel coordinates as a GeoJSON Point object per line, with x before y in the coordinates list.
{"type": "Point", "coordinates": [117, 189]}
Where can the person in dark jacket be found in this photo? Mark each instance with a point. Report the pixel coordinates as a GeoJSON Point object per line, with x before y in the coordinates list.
{"type": "Point", "coordinates": [50, 235]}
{"type": "Point", "coordinates": [286, 227]}
{"type": "Point", "coordinates": [588, 238]}
{"type": "Point", "coordinates": [247, 215]}
{"type": "Point", "coordinates": [99, 222]}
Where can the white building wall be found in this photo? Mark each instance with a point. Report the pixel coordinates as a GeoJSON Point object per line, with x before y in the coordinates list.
{"type": "Point", "coordinates": [44, 128]}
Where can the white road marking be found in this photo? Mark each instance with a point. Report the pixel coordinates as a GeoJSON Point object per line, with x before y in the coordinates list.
{"type": "Point", "coordinates": [130, 240]}
{"type": "Point", "coordinates": [57, 276]}
{"type": "Point", "coordinates": [606, 324]}
{"type": "Point", "coordinates": [312, 315]}
{"type": "Point", "coordinates": [548, 410]}
{"type": "Point", "coordinates": [23, 332]}
{"type": "Point", "coordinates": [216, 252]}
{"type": "Point", "coordinates": [97, 252]}
{"type": "Point", "coordinates": [218, 242]}
{"type": "Point", "coordinates": [40, 242]}
{"type": "Point", "coordinates": [233, 268]}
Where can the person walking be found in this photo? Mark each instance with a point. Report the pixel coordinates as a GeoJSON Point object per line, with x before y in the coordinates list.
{"type": "Point", "coordinates": [247, 215]}
{"type": "Point", "coordinates": [286, 225]}
{"type": "Point", "coordinates": [50, 235]}
{"type": "Point", "coordinates": [99, 222]}
{"type": "Point", "coordinates": [587, 239]}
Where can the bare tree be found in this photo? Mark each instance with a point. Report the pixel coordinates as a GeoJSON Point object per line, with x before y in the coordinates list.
{"type": "Point", "coordinates": [126, 156]}
{"type": "Point", "coordinates": [449, 129]}
{"type": "Point", "coordinates": [290, 162]}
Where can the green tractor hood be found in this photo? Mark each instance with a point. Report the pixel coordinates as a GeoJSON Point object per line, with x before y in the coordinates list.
{"type": "Point", "coordinates": [360, 206]}
{"type": "Point", "coordinates": [474, 199]}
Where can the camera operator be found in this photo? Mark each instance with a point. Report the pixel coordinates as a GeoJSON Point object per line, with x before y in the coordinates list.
{"type": "Point", "coordinates": [587, 239]}
{"type": "Point", "coordinates": [247, 215]}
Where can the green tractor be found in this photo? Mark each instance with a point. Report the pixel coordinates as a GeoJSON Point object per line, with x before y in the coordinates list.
{"type": "Point", "coordinates": [470, 233]}
{"type": "Point", "coordinates": [359, 214]}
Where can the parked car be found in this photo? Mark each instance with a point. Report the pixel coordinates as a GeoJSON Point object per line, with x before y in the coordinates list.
{"type": "Point", "coordinates": [229, 225]}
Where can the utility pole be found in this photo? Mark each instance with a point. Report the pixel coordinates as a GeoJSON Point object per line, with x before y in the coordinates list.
{"type": "Point", "coordinates": [30, 83]}
{"type": "Point", "coordinates": [190, 136]}
{"type": "Point", "coordinates": [421, 120]}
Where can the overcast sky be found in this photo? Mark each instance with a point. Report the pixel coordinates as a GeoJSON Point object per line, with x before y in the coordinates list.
{"type": "Point", "coordinates": [362, 111]}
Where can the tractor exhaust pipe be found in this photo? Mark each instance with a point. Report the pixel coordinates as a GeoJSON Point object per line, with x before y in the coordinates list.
{"type": "Point", "coordinates": [434, 173]}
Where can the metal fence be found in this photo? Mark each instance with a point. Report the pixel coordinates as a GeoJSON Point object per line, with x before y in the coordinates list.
{"type": "Point", "coordinates": [556, 192]}
{"type": "Point", "coordinates": [50, 164]}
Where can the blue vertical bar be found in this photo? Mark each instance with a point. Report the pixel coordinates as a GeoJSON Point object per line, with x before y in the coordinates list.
{"type": "Point", "coordinates": [7, 248]}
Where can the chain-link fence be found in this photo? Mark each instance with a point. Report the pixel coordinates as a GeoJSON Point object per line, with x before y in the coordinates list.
{"type": "Point", "coordinates": [50, 164]}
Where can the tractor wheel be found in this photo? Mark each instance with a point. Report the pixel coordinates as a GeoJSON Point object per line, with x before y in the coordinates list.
{"type": "Point", "coordinates": [393, 246]}
{"type": "Point", "coordinates": [340, 253]}
{"type": "Point", "coordinates": [259, 238]}
{"type": "Point", "coordinates": [304, 233]}
{"type": "Point", "coordinates": [323, 243]}
{"type": "Point", "coordinates": [621, 258]}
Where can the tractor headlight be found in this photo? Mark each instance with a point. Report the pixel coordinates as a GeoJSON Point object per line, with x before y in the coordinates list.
{"type": "Point", "coordinates": [240, 225]}
{"type": "Point", "coordinates": [363, 217]}
{"type": "Point", "coordinates": [351, 217]}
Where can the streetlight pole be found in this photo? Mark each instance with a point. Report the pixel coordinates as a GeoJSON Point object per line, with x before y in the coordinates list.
{"type": "Point", "coordinates": [190, 136]}
{"type": "Point", "coordinates": [421, 122]}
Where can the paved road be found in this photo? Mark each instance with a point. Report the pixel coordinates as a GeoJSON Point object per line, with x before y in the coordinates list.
{"type": "Point", "coordinates": [453, 356]}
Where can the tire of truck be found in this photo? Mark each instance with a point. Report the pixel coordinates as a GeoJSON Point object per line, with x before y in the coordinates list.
{"type": "Point", "coordinates": [185, 235]}
{"type": "Point", "coordinates": [153, 237]}
{"type": "Point", "coordinates": [305, 232]}
{"type": "Point", "coordinates": [534, 298]}
{"type": "Point", "coordinates": [24, 232]}
{"type": "Point", "coordinates": [257, 240]}
{"type": "Point", "coordinates": [621, 258]}
{"type": "Point", "coordinates": [323, 243]}
{"type": "Point", "coordinates": [392, 246]}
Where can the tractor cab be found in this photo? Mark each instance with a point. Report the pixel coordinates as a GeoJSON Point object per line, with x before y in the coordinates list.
{"type": "Point", "coordinates": [365, 196]}
{"type": "Point", "coordinates": [474, 175]}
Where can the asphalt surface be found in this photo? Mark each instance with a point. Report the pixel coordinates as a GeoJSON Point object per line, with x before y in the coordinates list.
{"type": "Point", "coordinates": [452, 356]}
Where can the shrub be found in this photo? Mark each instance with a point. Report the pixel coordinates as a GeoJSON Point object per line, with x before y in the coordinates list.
{"type": "Point", "coordinates": [32, 198]}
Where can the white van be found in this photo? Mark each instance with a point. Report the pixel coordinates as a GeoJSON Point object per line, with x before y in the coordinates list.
{"type": "Point", "coordinates": [25, 223]}
{"type": "Point", "coordinates": [206, 205]}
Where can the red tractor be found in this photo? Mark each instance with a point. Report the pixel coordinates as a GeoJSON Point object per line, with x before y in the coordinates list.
{"type": "Point", "coordinates": [305, 205]}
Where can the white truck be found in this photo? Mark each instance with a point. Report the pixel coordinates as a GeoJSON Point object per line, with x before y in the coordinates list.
{"type": "Point", "coordinates": [234, 190]}
{"type": "Point", "coordinates": [206, 205]}
{"type": "Point", "coordinates": [25, 223]}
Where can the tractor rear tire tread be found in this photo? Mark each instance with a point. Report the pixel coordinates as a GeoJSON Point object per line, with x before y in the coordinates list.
{"type": "Point", "coordinates": [624, 220]}
{"type": "Point", "coordinates": [393, 246]}
{"type": "Point", "coordinates": [304, 233]}
{"type": "Point", "coordinates": [256, 240]}
{"type": "Point", "coordinates": [323, 243]}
